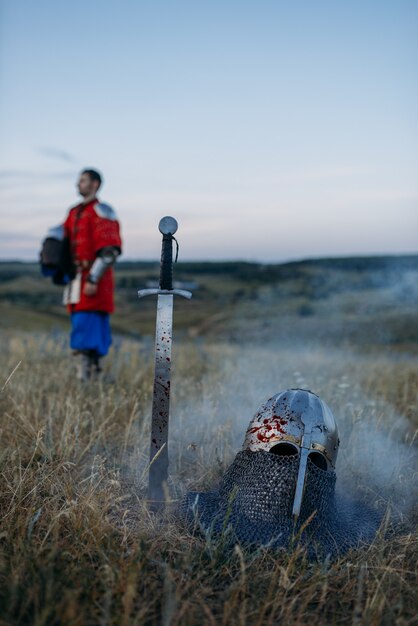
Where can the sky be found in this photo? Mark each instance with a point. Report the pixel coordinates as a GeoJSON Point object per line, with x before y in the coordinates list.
{"type": "Point", "coordinates": [271, 130]}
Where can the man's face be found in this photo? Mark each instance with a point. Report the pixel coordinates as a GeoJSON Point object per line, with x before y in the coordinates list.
{"type": "Point", "coordinates": [86, 186]}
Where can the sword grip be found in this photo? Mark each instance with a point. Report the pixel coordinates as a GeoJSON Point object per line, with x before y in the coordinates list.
{"type": "Point", "coordinates": [166, 267]}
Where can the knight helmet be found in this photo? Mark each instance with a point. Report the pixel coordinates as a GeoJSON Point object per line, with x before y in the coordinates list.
{"type": "Point", "coordinates": [295, 422]}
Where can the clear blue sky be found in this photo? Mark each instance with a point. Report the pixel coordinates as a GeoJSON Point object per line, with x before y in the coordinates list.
{"type": "Point", "coordinates": [270, 129]}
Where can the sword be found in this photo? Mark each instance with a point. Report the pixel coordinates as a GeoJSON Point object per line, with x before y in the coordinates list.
{"type": "Point", "coordinates": [158, 470]}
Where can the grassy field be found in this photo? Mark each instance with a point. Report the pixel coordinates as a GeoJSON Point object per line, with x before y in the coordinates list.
{"type": "Point", "coordinates": [77, 543]}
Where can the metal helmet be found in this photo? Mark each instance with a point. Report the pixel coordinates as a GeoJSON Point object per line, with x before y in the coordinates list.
{"type": "Point", "coordinates": [295, 421]}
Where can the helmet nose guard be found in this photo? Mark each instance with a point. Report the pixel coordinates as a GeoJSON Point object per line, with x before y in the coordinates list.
{"type": "Point", "coordinates": [299, 419]}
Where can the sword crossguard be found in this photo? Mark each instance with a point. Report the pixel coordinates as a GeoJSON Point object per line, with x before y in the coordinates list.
{"type": "Point", "coordinates": [142, 293]}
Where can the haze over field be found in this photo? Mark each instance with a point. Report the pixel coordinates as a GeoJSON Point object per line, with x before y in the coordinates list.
{"type": "Point", "coordinates": [270, 130]}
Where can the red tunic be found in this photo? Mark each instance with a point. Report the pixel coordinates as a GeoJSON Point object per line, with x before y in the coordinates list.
{"type": "Point", "coordinates": [89, 233]}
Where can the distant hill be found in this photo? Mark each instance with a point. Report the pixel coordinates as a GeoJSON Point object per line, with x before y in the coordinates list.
{"type": "Point", "coordinates": [362, 300]}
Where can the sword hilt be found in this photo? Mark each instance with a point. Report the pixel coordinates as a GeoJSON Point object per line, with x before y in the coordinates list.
{"type": "Point", "coordinates": [167, 227]}
{"type": "Point", "coordinates": [166, 267]}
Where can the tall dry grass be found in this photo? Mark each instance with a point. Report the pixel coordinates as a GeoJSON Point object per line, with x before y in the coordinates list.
{"type": "Point", "coordinates": [77, 543]}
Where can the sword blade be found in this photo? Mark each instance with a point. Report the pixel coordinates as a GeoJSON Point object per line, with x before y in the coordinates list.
{"type": "Point", "coordinates": [158, 473]}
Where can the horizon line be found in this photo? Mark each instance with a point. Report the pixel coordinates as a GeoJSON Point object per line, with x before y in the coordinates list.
{"type": "Point", "coordinates": [242, 260]}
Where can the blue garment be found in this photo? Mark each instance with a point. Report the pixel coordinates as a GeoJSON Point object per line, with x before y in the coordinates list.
{"type": "Point", "coordinates": [91, 331]}
{"type": "Point", "coordinates": [58, 277]}
{"type": "Point", "coordinates": [48, 271]}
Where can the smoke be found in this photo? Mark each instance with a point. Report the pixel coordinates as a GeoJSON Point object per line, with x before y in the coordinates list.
{"type": "Point", "coordinates": [377, 458]}
{"type": "Point", "coordinates": [335, 343]}
{"type": "Point", "coordinates": [360, 302]}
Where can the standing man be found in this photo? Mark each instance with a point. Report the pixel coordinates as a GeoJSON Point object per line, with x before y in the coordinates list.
{"type": "Point", "coordinates": [92, 230]}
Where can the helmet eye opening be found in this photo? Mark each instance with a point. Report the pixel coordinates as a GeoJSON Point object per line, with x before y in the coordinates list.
{"type": "Point", "coordinates": [319, 460]}
{"type": "Point", "coordinates": [284, 449]}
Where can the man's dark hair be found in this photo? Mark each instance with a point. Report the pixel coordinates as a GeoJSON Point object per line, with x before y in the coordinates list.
{"type": "Point", "coordinates": [94, 175]}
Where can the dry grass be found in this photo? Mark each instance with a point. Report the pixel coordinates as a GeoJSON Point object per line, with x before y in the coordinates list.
{"type": "Point", "coordinates": [77, 544]}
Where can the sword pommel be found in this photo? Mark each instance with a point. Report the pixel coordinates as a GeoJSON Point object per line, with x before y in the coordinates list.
{"type": "Point", "coordinates": [168, 225]}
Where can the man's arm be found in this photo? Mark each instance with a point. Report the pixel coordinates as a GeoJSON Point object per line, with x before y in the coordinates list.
{"type": "Point", "coordinates": [106, 257]}
{"type": "Point", "coordinates": [106, 242]}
